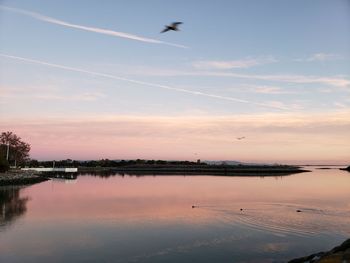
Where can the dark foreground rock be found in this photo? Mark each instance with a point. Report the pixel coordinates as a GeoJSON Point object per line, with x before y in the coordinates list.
{"type": "Point", "coordinates": [339, 254]}
{"type": "Point", "coordinates": [346, 169]}
{"type": "Point", "coordinates": [20, 178]}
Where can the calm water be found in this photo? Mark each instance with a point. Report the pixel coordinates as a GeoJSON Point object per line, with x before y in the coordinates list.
{"type": "Point", "coordinates": [151, 219]}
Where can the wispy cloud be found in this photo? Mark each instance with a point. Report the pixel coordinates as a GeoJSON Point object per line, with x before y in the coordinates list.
{"type": "Point", "coordinates": [88, 28]}
{"type": "Point", "coordinates": [230, 64]}
{"type": "Point", "coordinates": [273, 136]}
{"type": "Point", "coordinates": [266, 89]}
{"type": "Point", "coordinates": [292, 106]}
{"type": "Point", "coordinates": [143, 83]}
{"type": "Point", "coordinates": [320, 57]}
{"type": "Point", "coordinates": [209, 124]}
{"type": "Point", "coordinates": [299, 79]}
{"type": "Point", "coordinates": [79, 97]}
{"type": "Point", "coordinates": [341, 105]}
{"type": "Point", "coordinates": [47, 94]}
{"type": "Point", "coordinates": [339, 81]}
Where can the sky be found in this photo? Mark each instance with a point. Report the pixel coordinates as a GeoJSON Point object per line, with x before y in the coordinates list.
{"type": "Point", "coordinates": [97, 79]}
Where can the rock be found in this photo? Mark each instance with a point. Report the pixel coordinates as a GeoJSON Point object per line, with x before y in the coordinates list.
{"type": "Point", "coordinates": [20, 178]}
{"type": "Point", "coordinates": [339, 254]}
{"type": "Point", "coordinates": [345, 169]}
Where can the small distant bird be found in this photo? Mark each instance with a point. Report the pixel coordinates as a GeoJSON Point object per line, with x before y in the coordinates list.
{"type": "Point", "coordinates": [173, 26]}
{"type": "Point", "coordinates": [193, 206]}
{"type": "Point", "coordinates": [298, 211]}
{"type": "Point", "coordinates": [241, 209]}
{"type": "Point", "coordinates": [240, 138]}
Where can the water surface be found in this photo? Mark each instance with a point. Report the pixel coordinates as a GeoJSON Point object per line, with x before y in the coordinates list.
{"type": "Point", "coordinates": [151, 219]}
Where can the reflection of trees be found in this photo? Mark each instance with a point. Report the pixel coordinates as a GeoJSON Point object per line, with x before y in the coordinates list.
{"type": "Point", "coordinates": [104, 173]}
{"type": "Point", "coordinates": [113, 173]}
{"type": "Point", "coordinates": [11, 204]}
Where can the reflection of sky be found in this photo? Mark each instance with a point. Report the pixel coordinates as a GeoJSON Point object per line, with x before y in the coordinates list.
{"type": "Point", "coordinates": [132, 196]}
{"type": "Point", "coordinates": [150, 219]}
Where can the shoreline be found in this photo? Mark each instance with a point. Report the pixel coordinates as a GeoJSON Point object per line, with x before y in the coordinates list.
{"type": "Point", "coordinates": [20, 178]}
{"type": "Point", "coordinates": [221, 170]}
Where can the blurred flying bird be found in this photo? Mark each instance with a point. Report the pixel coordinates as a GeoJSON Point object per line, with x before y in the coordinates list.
{"type": "Point", "coordinates": [240, 138]}
{"type": "Point", "coordinates": [172, 26]}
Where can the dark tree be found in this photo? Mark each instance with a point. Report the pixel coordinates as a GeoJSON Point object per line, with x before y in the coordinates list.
{"type": "Point", "coordinates": [13, 148]}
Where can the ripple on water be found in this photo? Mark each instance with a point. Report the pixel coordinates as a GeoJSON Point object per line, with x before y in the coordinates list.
{"type": "Point", "coordinates": [283, 219]}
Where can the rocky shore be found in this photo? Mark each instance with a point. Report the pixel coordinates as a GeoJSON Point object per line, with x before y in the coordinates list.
{"type": "Point", "coordinates": [339, 254]}
{"type": "Point", "coordinates": [20, 178]}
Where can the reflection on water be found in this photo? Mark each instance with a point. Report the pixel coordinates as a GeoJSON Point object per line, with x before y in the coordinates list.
{"type": "Point", "coordinates": [122, 218]}
{"type": "Point", "coordinates": [110, 172]}
{"type": "Point", "coordinates": [283, 219]}
{"type": "Point", "coordinates": [11, 204]}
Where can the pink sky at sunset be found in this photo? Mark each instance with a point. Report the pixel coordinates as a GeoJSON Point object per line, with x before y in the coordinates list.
{"type": "Point", "coordinates": [273, 137]}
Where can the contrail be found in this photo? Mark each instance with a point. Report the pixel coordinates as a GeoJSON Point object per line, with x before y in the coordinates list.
{"type": "Point", "coordinates": [87, 28]}
{"type": "Point", "coordinates": [141, 82]}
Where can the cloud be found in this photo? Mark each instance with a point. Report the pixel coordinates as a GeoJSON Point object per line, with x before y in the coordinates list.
{"type": "Point", "coordinates": [86, 96]}
{"type": "Point", "coordinates": [265, 89]}
{"type": "Point", "coordinates": [323, 57]}
{"type": "Point", "coordinates": [47, 93]}
{"type": "Point", "coordinates": [211, 125]}
{"type": "Point", "coordinates": [298, 79]}
{"type": "Point", "coordinates": [320, 57]}
{"type": "Point", "coordinates": [230, 64]}
{"type": "Point", "coordinates": [291, 106]}
{"type": "Point", "coordinates": [88, 28]}
{"type": "Point", "coordinates": [341, 105]}
{"type": "Point", "coordinates": [166, 87]}
{"type": "Point", "coordinates": [339, 81]}
{"type": "Point", "coordinates": [269, 90]}
{"type": "Point", "coordinates": [273, 136]}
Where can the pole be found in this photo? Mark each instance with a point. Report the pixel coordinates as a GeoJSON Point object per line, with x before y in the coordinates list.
{"type": "Point", "coordinates": [8, 149]}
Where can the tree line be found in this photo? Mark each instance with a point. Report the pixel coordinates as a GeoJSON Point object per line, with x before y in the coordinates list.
{"type": "Point", "coordinates": [104, 163]}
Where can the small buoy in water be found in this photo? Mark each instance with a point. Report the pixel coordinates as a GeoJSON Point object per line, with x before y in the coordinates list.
{"type": "Point", "coordinates": [193, 206]}
{"type": "Point", "coordinates": [298, 211]}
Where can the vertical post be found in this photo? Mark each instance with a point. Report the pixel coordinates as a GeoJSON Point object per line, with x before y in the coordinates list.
{"type": "Point", "coordinates": [8, 150]}
{"type": "Point", "coordinates": [53, 164]}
